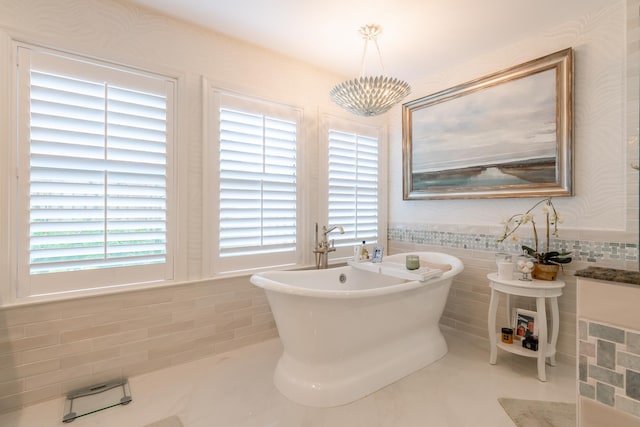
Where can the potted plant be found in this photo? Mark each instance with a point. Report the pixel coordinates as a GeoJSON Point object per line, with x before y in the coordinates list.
{"type": "Point", "coordinates": [547, 263]}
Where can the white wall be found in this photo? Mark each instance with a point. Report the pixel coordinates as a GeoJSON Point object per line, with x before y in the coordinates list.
{"type": "Point", "coordinates": [600, 221]}
{"type": "Point", "coordinates": [601, 202]}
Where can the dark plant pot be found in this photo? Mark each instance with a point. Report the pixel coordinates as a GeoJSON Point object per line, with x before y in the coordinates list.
{"type": "Point", "coordinates": [545, 271]}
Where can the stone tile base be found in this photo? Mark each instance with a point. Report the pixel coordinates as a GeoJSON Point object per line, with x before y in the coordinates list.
{"type": "Point", "coordinates": [609, 366]}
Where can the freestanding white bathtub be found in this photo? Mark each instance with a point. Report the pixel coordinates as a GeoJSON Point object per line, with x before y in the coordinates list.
{"type": "Point", "coordinates": [343, 341]}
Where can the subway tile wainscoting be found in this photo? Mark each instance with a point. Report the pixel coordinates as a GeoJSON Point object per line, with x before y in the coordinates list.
{"type": "Point", "coordinates": [49, 349]}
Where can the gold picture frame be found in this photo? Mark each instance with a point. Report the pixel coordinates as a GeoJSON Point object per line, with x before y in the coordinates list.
{"type": "Point", "coordinates": [509, 134]}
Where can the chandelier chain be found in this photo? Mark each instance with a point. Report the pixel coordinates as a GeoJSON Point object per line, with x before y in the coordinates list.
{"type": "Point", "coordinates": [370, 33]}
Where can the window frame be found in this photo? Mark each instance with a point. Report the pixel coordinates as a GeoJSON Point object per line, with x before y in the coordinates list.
{"type": "Point", "coordinates": [84, 281]}
{"type": "Point", "coordinates": [371, 128]}
{"type": "Point", "coordinates": [213, 263]}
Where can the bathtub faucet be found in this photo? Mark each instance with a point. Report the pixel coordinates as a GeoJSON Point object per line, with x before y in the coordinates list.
{"type": "Point", "coordinates": [326, 230]}
{"type": "Point", "coordinates": [321, 248]}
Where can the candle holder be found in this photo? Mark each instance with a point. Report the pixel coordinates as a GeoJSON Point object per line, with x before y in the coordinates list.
{"type": "Point", "coordinates": [412, 262]}
{"type": "Point", "coordinates": [505, 265]}
{"type": "Point", "coordinates": [502, 257]}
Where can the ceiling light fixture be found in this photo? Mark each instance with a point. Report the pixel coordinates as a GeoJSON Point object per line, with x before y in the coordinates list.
{"type": "Point", "coordinates": [367, 95]}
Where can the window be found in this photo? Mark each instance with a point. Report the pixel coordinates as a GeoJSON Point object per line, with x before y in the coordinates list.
{"type": "Point", "coordinates": [353, 176]}
{"type": "Point", "coordinates": [353, 185]}
{"type": "Point", "coordinates": [94, 174]}
{"type": "Point", "coordinates": [256, 182]}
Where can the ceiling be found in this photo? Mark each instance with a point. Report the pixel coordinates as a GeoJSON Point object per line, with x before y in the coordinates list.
{"type": "Point", "coordinates": [419, 37]}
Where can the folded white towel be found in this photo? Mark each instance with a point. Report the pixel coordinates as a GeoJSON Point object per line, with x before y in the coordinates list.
{"type": "Point", "coordinates": [399, 270]}
{"type": "Point", "coordinates": [433, 265]}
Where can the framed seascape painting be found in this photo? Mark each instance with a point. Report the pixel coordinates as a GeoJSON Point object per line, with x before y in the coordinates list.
{"type": "Point", "coordinates": [508, 134]}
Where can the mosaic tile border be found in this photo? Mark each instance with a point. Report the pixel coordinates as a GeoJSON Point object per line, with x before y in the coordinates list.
{"type": "Point", "coordinates": [609, 365]}
{"type": "Point", "coordinates": [582, 250]}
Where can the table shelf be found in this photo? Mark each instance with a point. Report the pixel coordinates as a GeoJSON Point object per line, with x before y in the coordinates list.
{"type": "Point", "coordinates": [516, 348]}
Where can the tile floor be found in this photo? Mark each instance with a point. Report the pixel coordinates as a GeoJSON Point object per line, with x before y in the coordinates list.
{"type": "Point", "coordinates": [236, 390]}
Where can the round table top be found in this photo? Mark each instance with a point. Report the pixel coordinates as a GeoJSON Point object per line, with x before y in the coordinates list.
{"type": "Point", "coordinates": [515, 283]}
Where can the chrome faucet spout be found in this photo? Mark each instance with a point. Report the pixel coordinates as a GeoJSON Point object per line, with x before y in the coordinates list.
{"type": "Point", "coordinates": [333, 227]}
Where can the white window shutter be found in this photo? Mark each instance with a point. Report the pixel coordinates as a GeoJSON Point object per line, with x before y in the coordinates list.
{"type": "Point", "coordinates": [253, 215]}
{"type": "Point", "coordinates": [97, 182]}
{"type": "Point", "coordinates": [353, 186]}
{"type": "Point", "coordinates": [257, 184]}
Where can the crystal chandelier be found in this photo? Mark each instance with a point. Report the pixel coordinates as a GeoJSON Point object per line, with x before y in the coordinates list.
{"type": "Point", "coordinates": [369, 96]}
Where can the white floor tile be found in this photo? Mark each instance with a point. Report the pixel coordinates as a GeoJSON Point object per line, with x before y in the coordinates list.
{"type": "Point", "coordinates": [236, 390]}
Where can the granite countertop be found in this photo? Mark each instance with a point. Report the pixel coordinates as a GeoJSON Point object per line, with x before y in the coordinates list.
{"type": "Point", "coordinates": [610, 274]}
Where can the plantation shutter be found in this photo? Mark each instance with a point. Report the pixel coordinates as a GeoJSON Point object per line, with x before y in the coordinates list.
{"type": "Point", "coordinates": [97, 170]}
{"type": "Point", "coordinates": [353, 186]}
{"type": "Point", "coordinates": [257, 183]}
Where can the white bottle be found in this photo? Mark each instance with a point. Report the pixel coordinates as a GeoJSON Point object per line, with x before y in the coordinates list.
{"type": "Point", "coordinates": [357, 250]}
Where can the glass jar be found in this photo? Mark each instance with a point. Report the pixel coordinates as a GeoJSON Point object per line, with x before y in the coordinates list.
{"type": "Point", "coordinates": [524, 265]}
{"type": "Point", "coordinates": [412, 262]}
{"type": "Point", "coordinates": [502, 257]}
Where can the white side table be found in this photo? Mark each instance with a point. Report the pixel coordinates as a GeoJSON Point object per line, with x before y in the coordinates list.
{"type": "Point", "coordinates": [540, 290]}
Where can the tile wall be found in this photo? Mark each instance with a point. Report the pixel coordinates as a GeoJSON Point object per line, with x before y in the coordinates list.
{"type": "Point", "coordinates": [468, 303]}
{"type": "Point", "coordinates": [49, 349]}
{"type": "Point", "coordinates": [607, 252]}
{"type": "Point", "coordinates": [608, 383]}
{"type": "Point", "coordinates": [609, 365]}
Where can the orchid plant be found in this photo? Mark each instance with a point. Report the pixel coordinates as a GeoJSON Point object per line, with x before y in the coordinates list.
{"type": "Point", "coordinates": [551, 219]}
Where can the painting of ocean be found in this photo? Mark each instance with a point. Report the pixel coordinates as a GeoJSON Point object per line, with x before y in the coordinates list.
{"type": "Point", "coordinates": [502, 135]}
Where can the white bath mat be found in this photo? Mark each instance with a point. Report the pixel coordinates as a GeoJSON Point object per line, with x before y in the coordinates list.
{"type": "Point", "coordinates": [538, 413]}
{"type": "Point", "coordinates": [167, 422]}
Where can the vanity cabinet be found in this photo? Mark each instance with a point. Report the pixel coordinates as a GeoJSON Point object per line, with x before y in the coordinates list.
{"type": "Point", "coordinates": [608, 385]}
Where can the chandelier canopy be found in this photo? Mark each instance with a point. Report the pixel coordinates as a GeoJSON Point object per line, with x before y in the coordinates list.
{"type": "Point", "coordinates": [367, 95]}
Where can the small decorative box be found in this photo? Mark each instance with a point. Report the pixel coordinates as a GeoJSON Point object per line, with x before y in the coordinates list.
{"type": "Point", "coordinates": [507, 335]}
{"type": "Point", "coordinates": [530, 343]}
